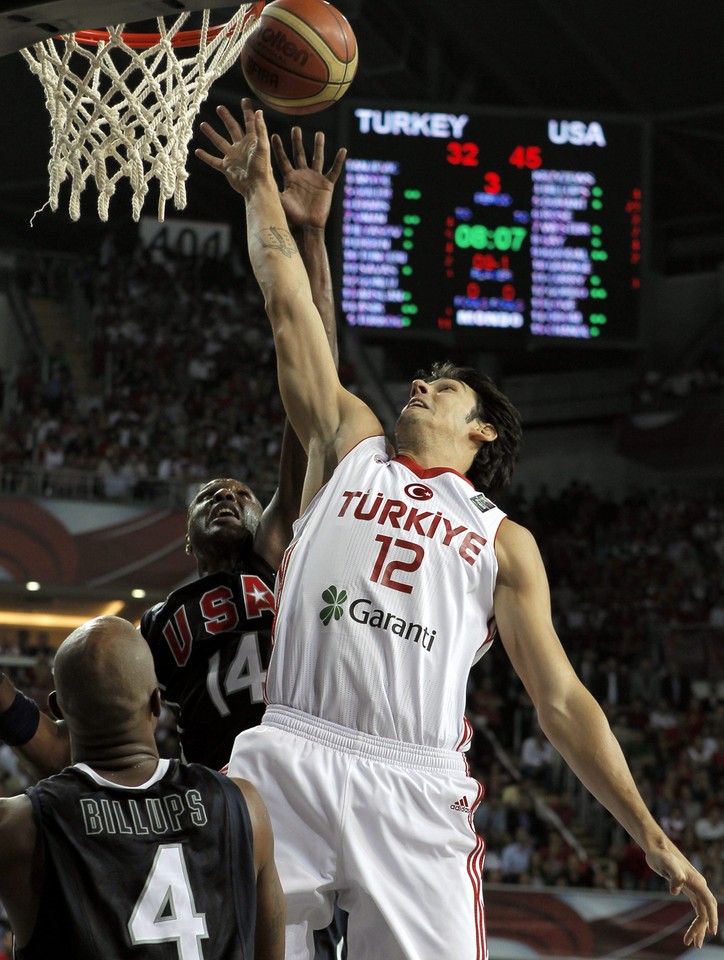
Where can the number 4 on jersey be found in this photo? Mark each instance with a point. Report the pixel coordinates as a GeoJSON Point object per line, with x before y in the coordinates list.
{"type": "Point", "coordinates": [166, 911]}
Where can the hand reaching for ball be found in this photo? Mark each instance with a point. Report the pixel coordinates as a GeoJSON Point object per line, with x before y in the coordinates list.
{"type": "Point", "coordinates": [308, 190]}
{"type": "Point", "coordinates": [245, 157]}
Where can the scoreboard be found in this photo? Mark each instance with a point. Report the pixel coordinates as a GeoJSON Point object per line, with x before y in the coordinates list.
{"type": "Point", "coordinates": [482, 226]}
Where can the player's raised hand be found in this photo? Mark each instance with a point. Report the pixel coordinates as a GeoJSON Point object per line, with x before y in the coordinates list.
{"type": "Point", "coordinates": [244, 155]}
{"type": "Point", "coordinates": [307, 193]}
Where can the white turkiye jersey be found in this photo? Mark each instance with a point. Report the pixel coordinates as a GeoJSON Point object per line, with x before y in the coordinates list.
{"type": "Point", "coordinates": [385, 600]}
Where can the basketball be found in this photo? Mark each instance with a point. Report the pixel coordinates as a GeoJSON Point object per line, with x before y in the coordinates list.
{"type": "Point", "coordinates": [301, 57]}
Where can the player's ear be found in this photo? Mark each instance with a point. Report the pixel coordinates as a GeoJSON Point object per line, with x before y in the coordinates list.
{"type": "Point", "coordinates": [53, 705]}
{"type": "Point", "coordinates": [156, 703]}
{"type": "Point", "coordinates": [187, 547]}
{"type": "Point", "coordinates": [483, 432]}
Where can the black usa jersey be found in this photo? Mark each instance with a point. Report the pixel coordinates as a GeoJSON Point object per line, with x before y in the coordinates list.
{"type": "Point", "coordinates": [164, 871]}
{"type": "Point", "coordinates": [211, 642]}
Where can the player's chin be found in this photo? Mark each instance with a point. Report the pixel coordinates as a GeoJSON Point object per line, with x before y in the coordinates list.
{"type": "Point", "coordinates": [410, 415]}
{"type": "Point", "coordinates": [229, 527]}
{"type": "Point", "coordinates": [408, 412]}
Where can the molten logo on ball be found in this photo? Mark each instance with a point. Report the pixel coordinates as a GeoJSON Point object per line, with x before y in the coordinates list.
{"type": "Point", "coordinates": [301, 57]}
{"type": "Point", "coordinates": [277, 40]}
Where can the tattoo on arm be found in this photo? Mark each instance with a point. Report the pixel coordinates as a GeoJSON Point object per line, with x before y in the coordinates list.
{"type": "Point", "coordinates": [278, 238]}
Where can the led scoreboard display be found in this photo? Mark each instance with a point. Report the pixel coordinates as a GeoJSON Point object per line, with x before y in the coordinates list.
{"type": "Point", "coordinates": [473, 223]}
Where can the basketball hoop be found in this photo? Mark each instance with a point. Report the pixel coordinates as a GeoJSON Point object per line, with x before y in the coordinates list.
{"type": "Point", "coordinates": [123, 105]}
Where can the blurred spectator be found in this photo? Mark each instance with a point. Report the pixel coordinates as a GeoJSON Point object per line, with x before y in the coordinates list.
{"type": "Point", "coordinates": [576, 873]}
{"type": "Point", "coordinates": [674, 824]}
{"type": "Point", "coordinates": [695, 720]}
{"type": "Point", "coordinates": [485, 703]}
{"type": "Point", "coordinates": [644, 682]}
{"type": "Point", "coordinates": [492, 866]}
{"type": "Point", "coordinates": [710, 826]}
{"type": "Point", "coordinates": [701, 749]}
{"type": "Point", "coordinates": [605, 872]}
{"type": "Point", "coordinates": [491, 821]}
{"type": "Point", "coordinates": [690, 805]}
{"type": "Point", "coordinates": [633, 871]}
{"type": "Point", "coordinates": [516, 857]}
{"type": "Point", "coordinates": [610, 683]}
{"type": "Point", "coordinates": [675, 688]}
{"type": "Point", "coordinates": [522, 811]}
{"type": "Point", "coordinates": [537, 757]}
{"type": "Point", "coordinates": [554, 856]}
{"type": "Point", "coordinates": [663, 717]}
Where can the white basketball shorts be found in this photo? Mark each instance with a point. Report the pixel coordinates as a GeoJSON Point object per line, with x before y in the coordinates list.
{"type": "Point", "coordinates": [384, 825]}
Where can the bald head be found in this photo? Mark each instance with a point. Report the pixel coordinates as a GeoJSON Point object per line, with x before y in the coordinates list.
{"type": "Point", "coordinates": [104, 675]}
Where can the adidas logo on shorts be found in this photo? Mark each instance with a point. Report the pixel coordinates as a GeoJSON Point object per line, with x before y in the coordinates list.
{"type": "Point", "coordinates": [461, 804]}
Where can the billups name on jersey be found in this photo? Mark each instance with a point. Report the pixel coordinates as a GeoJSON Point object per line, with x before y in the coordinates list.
{"type": "Point", "coordinates": [388, 512]}
{"type": "Point", "coordinates": [143, 817]}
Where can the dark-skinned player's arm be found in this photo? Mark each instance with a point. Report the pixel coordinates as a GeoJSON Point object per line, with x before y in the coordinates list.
{"type": "Point", "coordinates": [40, 741]}
{"type": "Point", "coordinates": [328, 419]}
{"type": "Point", "coordinates": [20, 866]}
{"type": "Point", "coordinates": [270, 906]}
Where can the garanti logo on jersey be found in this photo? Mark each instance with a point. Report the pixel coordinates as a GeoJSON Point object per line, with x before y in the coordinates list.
{"type": "Point", "coordinates": [482, 502]}
{"type": "Point", "coordinates": [335, 600]}
{"type": "Point", "coordinates": [362, 611]}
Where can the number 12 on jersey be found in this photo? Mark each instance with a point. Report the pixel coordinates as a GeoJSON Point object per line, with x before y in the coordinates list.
{"type": "Point", "coordinates": [384, 569]}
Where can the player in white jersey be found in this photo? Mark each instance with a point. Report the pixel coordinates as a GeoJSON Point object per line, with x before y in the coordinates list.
{"type": "Point", "coordinates": [386, 595]}
{"type": "Point", "coordinates": [387, 589]}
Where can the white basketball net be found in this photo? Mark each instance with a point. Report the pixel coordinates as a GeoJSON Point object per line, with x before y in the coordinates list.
{"type": "Point", "coordinates": [117, 111]}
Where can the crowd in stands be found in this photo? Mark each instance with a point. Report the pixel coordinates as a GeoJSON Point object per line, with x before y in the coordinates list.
{"type": "Point", "coordinates": [183, 387]}
{"type": "Point", "coordinates": [182, 384]}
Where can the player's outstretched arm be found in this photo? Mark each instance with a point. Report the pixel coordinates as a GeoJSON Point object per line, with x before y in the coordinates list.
{"type": "Point", "coordinates": [575, 723]}
{"type": "Point", "coordinates": [307, 202]}
{"type": "Point", "coordinates": [306, 198]}
{"type": "Point", "coordinates": [42, 742]}
{"type": "Point", "coordinates": [270, 907]}
{"type": "Point", "coordinates": [326, 418]}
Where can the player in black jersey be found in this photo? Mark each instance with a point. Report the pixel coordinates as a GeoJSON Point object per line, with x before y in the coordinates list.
{"type": "Point", "coordinates": [211, 639]}
{"type": "Point", "coordinates": [124, 854]}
